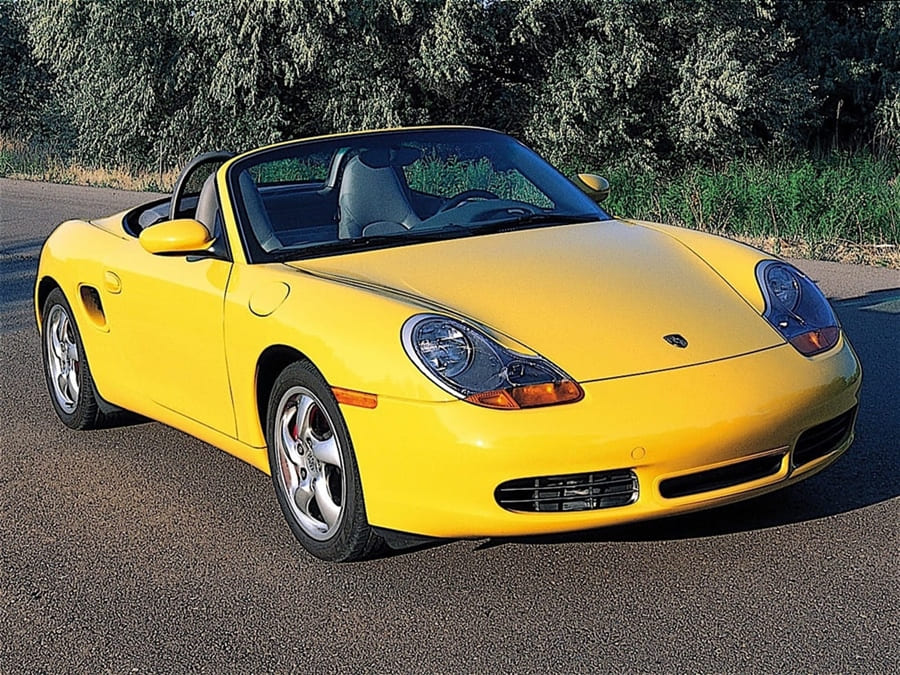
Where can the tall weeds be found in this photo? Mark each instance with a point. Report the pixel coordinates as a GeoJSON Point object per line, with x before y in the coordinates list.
{"type": "Point", "coordinates": [837, 199]}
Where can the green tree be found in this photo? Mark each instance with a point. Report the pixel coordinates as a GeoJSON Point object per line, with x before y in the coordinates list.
{"type": "Point", "coordinates": [736, 87]}
{"type": "Point", "coordinates": [643, 84]}
{"type": "Point", "coordinates": [850, 53]}
{"type": "Point", "coordinates": [25, 86]}
{"type": "Point", "coordinates": [590, 70]}
{"type": "Point", "coordinates": [640, 82]}
{"type": "Point", "coordinates": [113, 66]}
{"type": "Point", "coordinates": [148, 84]}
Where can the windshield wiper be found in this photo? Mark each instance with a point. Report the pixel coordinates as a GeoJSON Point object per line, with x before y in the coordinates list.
{"type": "Point", "coordinates": [527, 220]}
{"type": "Point", "coordinates": [358, 243]}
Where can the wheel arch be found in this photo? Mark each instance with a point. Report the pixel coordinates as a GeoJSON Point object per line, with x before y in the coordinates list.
{"type": "Point", "coordinates": [270, 363]}
{"type": "Point", "coordinates": [44, 288]}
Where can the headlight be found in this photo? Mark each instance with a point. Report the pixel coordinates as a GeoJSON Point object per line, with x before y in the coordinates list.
{"type": "Point", "coordinates": [469, 364]}
{"type": "Point", "coordinates": [796, 308]}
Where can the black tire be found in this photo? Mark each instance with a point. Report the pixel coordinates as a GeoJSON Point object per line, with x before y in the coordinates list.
{"type": "Point", "coordinates": [314, 468]}
{"type": "Point", "coordinates": [66, 369]}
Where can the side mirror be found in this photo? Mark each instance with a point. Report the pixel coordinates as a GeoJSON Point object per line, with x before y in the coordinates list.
{"type": "Point", "coordinates": [594, 186]}
{"type": "Point", "coordinates": [176, 236]}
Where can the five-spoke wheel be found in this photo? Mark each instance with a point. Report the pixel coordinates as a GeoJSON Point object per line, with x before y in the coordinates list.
{"type": "Point", "coordinates": [310, 464]}
{"type": "Point", "coordinates": [66, 367]}
{"type": "Point", "coordinates": [313, 467]}
{"type": "Point", "coordinates": [62, 358]}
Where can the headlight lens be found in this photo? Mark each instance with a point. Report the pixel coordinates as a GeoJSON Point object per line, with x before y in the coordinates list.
{"type": "Point", "coordinates": [784, 286]}
{"type": "Point", "coordinates": [445, 349]}
{"type": "Point", "coordinates": [796, 308]}
{"type": "Point", "coordinates": [469, 364]}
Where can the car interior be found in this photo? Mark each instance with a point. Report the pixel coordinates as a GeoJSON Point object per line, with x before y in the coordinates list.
{"type": "Point", "coordinates": [364, 193]}
{"type": "Point", "coordinates": [291, 197]}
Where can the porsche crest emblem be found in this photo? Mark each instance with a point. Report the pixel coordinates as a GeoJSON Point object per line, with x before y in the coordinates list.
{"type": "Point", "coordinates": [676, 340]}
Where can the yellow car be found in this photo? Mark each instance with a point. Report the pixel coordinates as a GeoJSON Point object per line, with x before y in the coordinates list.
{"type": "Point", "coordinates": [432, 332]}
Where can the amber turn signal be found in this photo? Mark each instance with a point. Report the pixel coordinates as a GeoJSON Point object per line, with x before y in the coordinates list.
{"type": "Point", "coordinates": [529, 395]}
{"type": "Point", "coordinates": [360, 399]}
{"type": "Point", "coordinates": [816, 341]}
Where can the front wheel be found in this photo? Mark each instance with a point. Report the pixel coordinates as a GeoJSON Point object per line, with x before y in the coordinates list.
{"type": "Point", "coordinates": [66, 367]}
{"type": "Point", "coordinates": [314, 468]}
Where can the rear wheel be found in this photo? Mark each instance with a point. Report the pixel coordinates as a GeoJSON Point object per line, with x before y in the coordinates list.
{"type": "Point", "coordinates": [66, 367]}
{"type": "Point", "coordinates": [314, 469]}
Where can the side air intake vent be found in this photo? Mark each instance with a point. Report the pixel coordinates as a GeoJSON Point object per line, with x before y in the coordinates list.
{"type": "Point", "coordinates": [90, 298]}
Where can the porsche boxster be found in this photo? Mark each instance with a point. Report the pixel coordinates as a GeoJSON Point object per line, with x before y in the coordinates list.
{"type": "Point", "coordinates": [432, 332]}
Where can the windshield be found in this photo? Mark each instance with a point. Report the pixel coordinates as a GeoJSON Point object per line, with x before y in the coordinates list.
{"type": "Point", "coordinates": [350, 193]}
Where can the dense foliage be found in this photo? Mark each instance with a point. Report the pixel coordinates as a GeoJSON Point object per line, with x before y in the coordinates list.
{"type": "Point", "coordinates": [646, 84]}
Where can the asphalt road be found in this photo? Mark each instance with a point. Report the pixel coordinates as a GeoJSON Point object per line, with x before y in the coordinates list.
{"type": "Point", "coordinates": [141, 549]}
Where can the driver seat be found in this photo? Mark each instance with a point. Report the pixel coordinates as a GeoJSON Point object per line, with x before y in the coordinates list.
{"type": "Point", "coordinates": [372, 192]}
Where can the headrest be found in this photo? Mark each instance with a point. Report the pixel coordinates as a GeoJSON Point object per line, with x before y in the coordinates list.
{"type": "Point", "coordinates": [379, 158]}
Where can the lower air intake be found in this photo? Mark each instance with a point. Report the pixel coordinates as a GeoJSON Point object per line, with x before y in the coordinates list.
{"type": "Point", "coordinates": [824, 438]}
{"type": "Point", "coordinates": [723, 477]}
{"type": "Point", "coordinates": [572, 492]}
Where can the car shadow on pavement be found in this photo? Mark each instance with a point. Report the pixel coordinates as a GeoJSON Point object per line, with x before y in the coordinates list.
{"type": "Point", "coordinates": [866, 475]}
{"type": "Point", "coordinates": [18, 268]}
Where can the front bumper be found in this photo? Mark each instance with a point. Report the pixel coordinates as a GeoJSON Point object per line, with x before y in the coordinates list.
{"type": "Point", "coordinates": [432, 468]}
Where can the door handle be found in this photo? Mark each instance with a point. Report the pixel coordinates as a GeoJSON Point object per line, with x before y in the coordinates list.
{"type": "Point", "coordinates": [112, 282]}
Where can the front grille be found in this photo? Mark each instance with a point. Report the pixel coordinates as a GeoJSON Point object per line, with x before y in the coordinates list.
{"type": "Point", "coordinates": [572, 492]}
{"type": "Point", "coordinates": [716, 479]}
{"type": "Point", "coordinates": [823, 438]}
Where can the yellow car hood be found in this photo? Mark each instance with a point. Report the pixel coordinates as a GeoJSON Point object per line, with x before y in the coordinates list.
{"type": "Point", "coordinates": [597, 299]}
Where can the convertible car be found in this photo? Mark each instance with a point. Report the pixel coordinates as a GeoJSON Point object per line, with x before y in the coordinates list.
{"type": "Point", "coordinates": [433, 333]}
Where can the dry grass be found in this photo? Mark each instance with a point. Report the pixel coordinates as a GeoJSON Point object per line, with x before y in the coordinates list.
{"type": "Point", "coordinates": [879, 255]}
{"type": "Point", "coordinates": [24, 162]}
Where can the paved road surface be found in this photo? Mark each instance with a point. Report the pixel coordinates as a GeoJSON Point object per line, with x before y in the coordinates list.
{"type": "Point", "coordinates": [139, 548]}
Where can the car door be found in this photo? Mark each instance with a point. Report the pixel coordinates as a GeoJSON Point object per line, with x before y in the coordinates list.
{"type": "Point", "coordinates": [168, 319]}
{"type": "Point", "coordinates": [168, 310]}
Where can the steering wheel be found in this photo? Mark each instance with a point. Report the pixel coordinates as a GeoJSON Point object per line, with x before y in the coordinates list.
{"type": "Point", "coordinates": [465, 196]}
{"type": "Point", "coordinates": [508, 208]}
